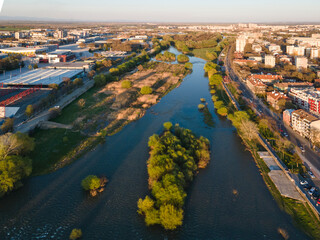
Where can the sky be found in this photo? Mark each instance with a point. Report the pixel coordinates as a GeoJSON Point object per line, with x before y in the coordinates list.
{"type": "Point", "coordinates": [210, 11]}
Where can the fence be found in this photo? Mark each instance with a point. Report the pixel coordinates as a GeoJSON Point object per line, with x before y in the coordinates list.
{"type": "Point", "coordinates": [20, 95]}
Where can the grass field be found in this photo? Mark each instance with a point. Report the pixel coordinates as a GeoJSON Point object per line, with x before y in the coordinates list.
{"type": "Point", "coordinates": [201, 53]}
{"type": "Point", "coordinates": [51, 146]}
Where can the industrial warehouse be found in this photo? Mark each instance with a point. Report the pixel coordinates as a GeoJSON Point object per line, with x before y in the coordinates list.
{"type": "Point", "coordinates": [43, 77]}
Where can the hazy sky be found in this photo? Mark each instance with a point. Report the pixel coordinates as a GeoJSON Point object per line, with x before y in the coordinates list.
{"type": "Point", "coordinates": [167, 10]}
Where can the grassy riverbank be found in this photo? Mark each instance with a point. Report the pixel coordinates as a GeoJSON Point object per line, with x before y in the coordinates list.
{"type": "Point", "coordinates": [102, 111]}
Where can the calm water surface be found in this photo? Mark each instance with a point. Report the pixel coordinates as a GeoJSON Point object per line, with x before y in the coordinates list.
{"type": "Point", "coordinates": [50, 206]}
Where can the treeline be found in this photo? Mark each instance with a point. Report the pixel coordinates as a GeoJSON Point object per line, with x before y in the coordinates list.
{"type": "Point", "coordinates": [219, 97]}
{"type": "Point", "coordinates": [10, 63]}
{"type": "Point", "coordinates": [14, 163]}
{"type": "Point", "coordinates": [114, 73]}
{"type": "Point", "coordinates": [183, 58]}
{"type": "Point", "coordinates": [175, 157]}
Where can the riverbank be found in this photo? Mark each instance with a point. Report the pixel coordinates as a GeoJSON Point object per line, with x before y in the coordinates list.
{"type": "Point", "coordinates": [105, 112]}
{"type": "Point", "coordinates": [299, 211]}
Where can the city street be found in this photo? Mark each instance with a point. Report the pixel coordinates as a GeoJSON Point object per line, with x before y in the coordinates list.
{"type": "Point", "coordinates": [311, 157]}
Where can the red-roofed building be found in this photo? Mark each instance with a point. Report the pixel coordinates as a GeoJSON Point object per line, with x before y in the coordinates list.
{"type": "Point", "coordinates": [256, 86]}
{"type": "Point", "coordinates": [266, 78]}
{"type": "Point", "coordinates": [274, 97]}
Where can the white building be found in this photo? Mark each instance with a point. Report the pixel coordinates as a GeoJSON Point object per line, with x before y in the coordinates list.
{"type": "Point", "coordinates": [274, 48]}
{"type": "Point", "coordinates": [270, 61]}
{"type": "Point", "coordinates": [301, 62]}
{"type": "Point", "coordinates": [241, 43]}
{"type": "Point", "coordinates": [301, 122]}
{"type": "Point", "coordinates": [295, 50]}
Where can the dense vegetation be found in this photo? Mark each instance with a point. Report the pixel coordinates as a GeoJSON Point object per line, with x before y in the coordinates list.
{"type": "Point", "coordinates": [14, 163]}
{"type": "Point", "coordinates": [175, 157]}
{"type": "Point", "coordinates": [182, 58]}
{"type": "Point", "coordinates": [166, 57]}
{"type": "Point", "coordinates": [10, 63]}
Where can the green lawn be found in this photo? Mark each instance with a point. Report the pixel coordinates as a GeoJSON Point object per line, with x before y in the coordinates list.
{"type": "Point", "coordinates": [201, 53]}
{"type": "Point", "coordinates": [51, 146]}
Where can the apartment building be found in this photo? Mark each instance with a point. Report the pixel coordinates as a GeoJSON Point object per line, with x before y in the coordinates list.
{"type": "Point", "coordinates": [301, 122]}
{"type": "Point", "coordinates": [301, 62]}
{"type": "Point", "coordinates": [295, 50]}
{"type": "Point", "coordinates": [241, 43]}
{"type": "Point", "coordinates": [286, 116]}
{"type": "Point", "coordinates": [286, 86]}
{"type": "Point", "coordinates": [270, 61]}
{"type": "Point", "coordinates": [307, 99]}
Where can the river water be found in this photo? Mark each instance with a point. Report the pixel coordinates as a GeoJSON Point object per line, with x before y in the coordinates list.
{"type": "Point", "coordinates": [50, 206]}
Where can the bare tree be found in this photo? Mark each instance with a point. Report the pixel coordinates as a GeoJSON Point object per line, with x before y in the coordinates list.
{"type": "Point", "coordinates": [9, 145]}
{"type": "Point", "coordinates": [314, 137]}
{"type": "Point", "coordinates": [249, 129]}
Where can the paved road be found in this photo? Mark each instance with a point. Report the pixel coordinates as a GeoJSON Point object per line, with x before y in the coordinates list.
{"type": "Point", "coordinates": [311, 157]}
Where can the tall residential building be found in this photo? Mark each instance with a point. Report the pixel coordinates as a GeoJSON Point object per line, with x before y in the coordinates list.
{"type": "Point", "coordinates": [314, 53]}
{"type": "Point", "coordinates": [297, 51]}
{"type": "Point", "coordinates": [270, 61]}
{"type": "Point", "coordinates": [301, 62]}
{"type": "Point", "coordinates": [307, 99]}
{"type": "Point", "coordinates": [301, 122]}
{"type": "Point", "coordinates": [241, 43]}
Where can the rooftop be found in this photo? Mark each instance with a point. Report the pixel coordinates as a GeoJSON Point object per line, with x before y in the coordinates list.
{"type": "Point", "coordinates": [304, 115]}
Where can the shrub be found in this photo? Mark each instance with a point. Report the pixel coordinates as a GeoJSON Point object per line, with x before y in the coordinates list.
{"type": "Point", "coordinates": [126, 84]}
{"type": "Point", "coordinates": [82, 103]}
{"type": "Point", "coordinates": [54, 112]}
{"type": "Point", "coordinates": [201, 106]}
{"type": "Point", "coordinates": [214, 98]}
{"type": "Point", "coordinates": [114, 71]}
{"type": "Point", "coordinates": [91, 182]}
{"type": "Point", "coordinates": [188, 65]}
{"type": "Point", "coordinates": [7, 126]}
{"type": "Point", "coordinates": [75, 234]}
{"type": "Point", "coordinates": [182, 58]}
{"type": "Point", "coordinates": [218, 104]}
{"type": "Point", "coordinates": [222, 111]}
{"type": "Point", "coordinates": [167, 125]}
{"type": "Point", "coordinates": [202, 99]}
{"type": "Point", "coordinates": [29, 110]}
{"type": "Point", "coordinates": [212, 91]}
{"type": "Point", "coordinates": [146, 90]}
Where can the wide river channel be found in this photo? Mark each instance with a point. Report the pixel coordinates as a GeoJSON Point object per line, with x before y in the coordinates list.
{"type": "Point", "coordinates": [50, 206]}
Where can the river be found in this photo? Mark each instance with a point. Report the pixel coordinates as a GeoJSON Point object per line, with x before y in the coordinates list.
{"type": "Point", "coordinates": [50, 206]}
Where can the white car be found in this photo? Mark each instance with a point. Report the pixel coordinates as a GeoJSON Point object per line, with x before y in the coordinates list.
{"type": "Point", "coordinates": [303, 182]}
{"type": "Point", "coordinates": [311, 174]}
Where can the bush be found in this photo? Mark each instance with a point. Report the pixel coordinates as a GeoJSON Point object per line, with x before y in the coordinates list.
{"type": "Point", "coordinates": [29, 110]}
{"type": "Point", "coordinates": [100, 80]}
{"type": "Point", "coordinates": [54, 112]}
{"type": "Point", "coordinates": [214, 98]}
{"type": "Point", "coordinates": [188, 65]}
{"type": "Point", "coordinates": [222, 111]}
{"type": "Point", "coordinates": [146, 90]}
{"type": "Point", "coordinates": [202, 99]}
{"type": "Point", "coordinates": [7, 126]}
{"type": "Point", "coordinates": [126, 84]}
{"type": "Point", "coordinates": [201, 106]}
{"type": "Point", "coordinates": [91, 182]}
{"type": "Point", "coordinates": [167, 125]}
{"type": "Point", "coordinates": [75, 234]}
{"type": "Point", "coordinates": [218, 104]}
{"type": "Point", "coordinates": [212, 91]}
{"type": "Point", "coordinates": [182, 58]}
{"type": "Point", "coordinates": [215, 80]}
{"type": "Point", "coordinates": [114, 71]}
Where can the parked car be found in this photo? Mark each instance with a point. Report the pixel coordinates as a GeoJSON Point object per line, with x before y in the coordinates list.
{"type": "Point", "coordinates": [311, 191]}
{"type": "Point", "coordinates": [318, 202]}
{"type": "Point", "coordinates": [311, 174]}
{"type": "Point", "coordinates": [303, 182]}
{"type": "Point", "coordinates": [302, 149]}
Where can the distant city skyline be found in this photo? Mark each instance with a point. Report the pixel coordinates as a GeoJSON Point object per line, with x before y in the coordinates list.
{"type": "Point", "coordinates": [166, 10]}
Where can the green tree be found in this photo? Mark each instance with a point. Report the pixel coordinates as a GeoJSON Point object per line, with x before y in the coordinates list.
{"type": "Point", "coordinates": [75, 234]}
{"type": "Point", "coordinates": [146, 90]}
{"type": "Point", "coordinates": [170, 217]}
{"type": "Point", "coordinates": [91, 182]}
{"type": "Point", "coordinates": [29, 110]}
{"type": "Point", "coordinates": [223, 111]}
{"type": "Point", "coordinates": [167, 125]}
{"type": "Point", "coordinates": [126, 84]}
{"type": "Point", "coordinates": [182, 58]}
{"type": "Point", "coordinates": [114, 71]}
{"type": "Point", "coordinates": [7, 126]}
{"type": "Point", "coordinates": [145, 205]}
{"type": "Point", "coordinates": [188, 65]}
